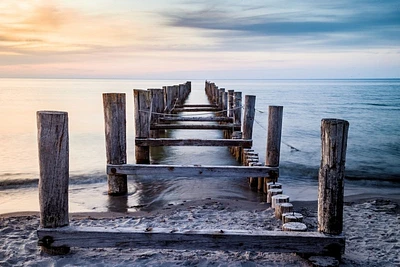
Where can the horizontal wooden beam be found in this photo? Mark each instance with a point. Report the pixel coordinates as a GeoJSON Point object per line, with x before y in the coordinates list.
{"type": "Point", "coordinates": [197, 106]}
{"type": "Point", "coordinates": [199, 109]}
{"type": "Point", "coordinates": [192, 142]}
{"type": "Point", "coordinates": [219, 239]}
{"type": "Point", "coordinates": [149, 170]}
{"type": "Point", "coordinates": [219, 119]}
{"type": "Point", "coordinates": [230, 126]}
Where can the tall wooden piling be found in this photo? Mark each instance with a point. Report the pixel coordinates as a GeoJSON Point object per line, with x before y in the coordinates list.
{"type": "Point", "coordinates": [334, 134]}
{"type": "Point", "coordinates": [248, 118]}
{"type": "Point", "coordinates": [275, 118]}
{"type": "Point", "coordinates": [230, 103]}
{"type": "Point", "coordinates": [221, 93]}
{"type": "Point", "coordinates": [158, 107]}
{"type": "Point", "coordinates": [225, 104]}
{"type": "Point", "coordinates": [142, 114]}
{"type": "Point", "coordinates": [53, 147]}
{"type": "Point", "coordinates": [115, 131]}
{"type": "Point", "coordinates": [237, 109]}
{"type": "Point", "coordinates": [169, 98]}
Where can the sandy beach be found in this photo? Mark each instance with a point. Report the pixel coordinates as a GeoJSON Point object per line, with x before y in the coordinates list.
{"type": "Point", "coordinates": [371, 227]}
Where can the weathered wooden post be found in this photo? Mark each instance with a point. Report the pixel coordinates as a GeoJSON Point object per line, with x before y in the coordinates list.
{"type": "Point", "coordinates": [331, 175]}
{"type": "Point", "coordinates": [168, 98]}
{"type": "Point", "coordinates": [115, 131]}
{"type": "Point", "coordinates": [53, 147]}
{"type": "Point", "coordinates": [188, 88]}
{"type": "Point", "coordinates": [221, 93]}
{"type": "Point", "coordinates": [237, 112]}
{"type": "Point", "coordinates": [248, 118]}
{"type": "Point", "coordinates": [225, 104]}
{"type": "Point", "coordinates": [215, 94]}
{"type": "Point", "coordinates": [275, 118]}
{"type": "Point", "coordinates": [142, 114]}
{"type": "Point", "coordinates": [157, 96]}
{"type": "Point", "coordinates": [230, 103]}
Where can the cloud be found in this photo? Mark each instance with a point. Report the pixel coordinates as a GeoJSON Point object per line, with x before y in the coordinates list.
{"type": "Point", "coordinates": [46, 27]}
{"type": "Point", "coordinates": [345, 24]}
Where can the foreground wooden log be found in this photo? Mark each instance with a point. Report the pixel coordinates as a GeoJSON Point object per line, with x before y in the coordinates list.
{"type": "Point", "coordinates": [115, 133]}
{"type": "Point", "coordinates": [219, 239]}
{"type": "Point", "coordinates": [331, 175]}
{"type": "Point", "coordinates": [53, 145]}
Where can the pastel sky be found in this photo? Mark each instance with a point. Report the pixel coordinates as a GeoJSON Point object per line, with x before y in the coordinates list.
{"type": "Point", "coordinates": [200, 39]}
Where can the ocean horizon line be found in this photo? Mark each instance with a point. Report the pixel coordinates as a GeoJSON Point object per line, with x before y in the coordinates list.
{"type": "Point", "coordinates": [198, 79]}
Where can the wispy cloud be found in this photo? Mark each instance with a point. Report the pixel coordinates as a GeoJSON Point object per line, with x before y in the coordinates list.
{"type": "Point", "coordinates": [49, 27]}
{"type": "Point", "coordinates": [350, 23]}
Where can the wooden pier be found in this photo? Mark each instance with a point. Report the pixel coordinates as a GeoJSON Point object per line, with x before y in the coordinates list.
{"type": "Point", "coordinates": [158, 110]}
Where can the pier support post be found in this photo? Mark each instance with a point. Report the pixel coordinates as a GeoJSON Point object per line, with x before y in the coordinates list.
{"type": "Point", "coordinates": [53, 146]}
{"type": "Point", "coordinates": [237, 112]}
{"type": "Point", "coordinates": [142, 114]}
{"type": "Point", "coordinates": [275, 118]}
{"type": "Point", "coordinates": [248, 118]}
{"type": "Point", "coordinates": [230, 103]}
{"type": "Point", "coordinates": [157, 98]}
{"type": "Point", "coordinates": [115, 132]}
{"type": "Point", "coordinates": [331, 176]}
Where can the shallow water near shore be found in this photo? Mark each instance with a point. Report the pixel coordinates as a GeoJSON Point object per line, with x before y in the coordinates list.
{"type": "Point", "coordinates": [371, 106]}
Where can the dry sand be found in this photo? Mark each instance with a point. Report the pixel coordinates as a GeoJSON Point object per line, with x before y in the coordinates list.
{"type": "Point", "coordinates": [371, 226]}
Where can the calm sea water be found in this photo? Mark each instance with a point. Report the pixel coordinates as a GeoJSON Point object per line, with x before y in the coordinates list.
{"type": "Point", "coordinates": [373, 157]}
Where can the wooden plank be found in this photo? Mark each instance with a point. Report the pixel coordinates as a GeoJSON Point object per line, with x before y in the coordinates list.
{"type": "Point", "coordinates": [146, 170]}
{"type": "Point", "coordinates": [218, 119]}
{"type": "Point", "coordinates": [231, 126]}
{"type": "Point", "coordinates": [197, 106]}
{"type": "Point", "coordinates": [196, 109]}
{"type": "Point", "coordinates": [192, 142]}
{"type": "Point", "coordinates": [219, 239]}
